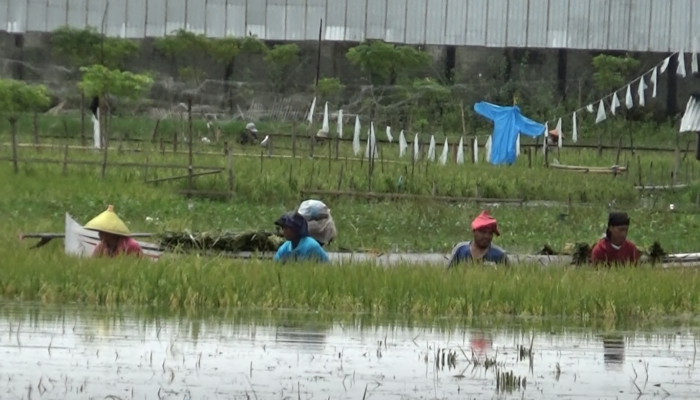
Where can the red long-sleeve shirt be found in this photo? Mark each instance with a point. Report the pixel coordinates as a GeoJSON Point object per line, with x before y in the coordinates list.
{"type": "Point", "coordinates": [604, 253]}
{"type": "Point", "coordinates": [127, 246]}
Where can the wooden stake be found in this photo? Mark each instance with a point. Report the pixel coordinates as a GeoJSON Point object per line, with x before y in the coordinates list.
{"type": "Point", "coordinates": [65, 160]}
{"type": "Point", "coordinates": [190, 182]}
{"type": "Point", "coordinates": [229, 167]}
{"type": "Point", "coordinates": [15, 166]}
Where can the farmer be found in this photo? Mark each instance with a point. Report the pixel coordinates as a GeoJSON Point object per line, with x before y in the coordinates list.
{"type": "Point", "coordinates": [480, 248]}
{"type": "Point", "coordinates": [114, 236]}
{"type": "Point", "coordinates": [299, 245]}
{"type": "Point", "coordinates": [319, 221]}
{"type": "Point", "coordinates": [614, 248]}
{"type": "Point", "coordinates": [249, 135]}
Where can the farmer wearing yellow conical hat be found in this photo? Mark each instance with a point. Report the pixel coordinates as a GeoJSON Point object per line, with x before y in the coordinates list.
{"type": "Point", "coordinates": [114, 236]}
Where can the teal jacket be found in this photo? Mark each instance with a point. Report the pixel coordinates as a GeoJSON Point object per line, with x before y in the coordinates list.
{"type": "Point", "coordinates": [307, 249]}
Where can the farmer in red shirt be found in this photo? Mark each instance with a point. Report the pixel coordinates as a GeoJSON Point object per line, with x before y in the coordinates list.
{"type": "Point", "coordinates": [114, 236]}
{"type": "Point", "coordinates": [614, 248]}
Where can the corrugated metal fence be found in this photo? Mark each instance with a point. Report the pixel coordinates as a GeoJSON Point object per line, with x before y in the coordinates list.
{"type": "Point", "coordinates": [635, 25]}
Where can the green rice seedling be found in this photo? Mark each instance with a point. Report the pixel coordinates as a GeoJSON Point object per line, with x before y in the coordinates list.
{"type": "Point", "coordinates": [508, 382]}
{"type": "Point", "coordinates": [192, 282]}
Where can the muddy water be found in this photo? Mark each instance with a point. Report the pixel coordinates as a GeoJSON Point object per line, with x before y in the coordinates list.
{"type": "Point", "coordinates": [77, 354]}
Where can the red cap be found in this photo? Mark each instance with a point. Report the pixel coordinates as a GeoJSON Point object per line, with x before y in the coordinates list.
{"type": "Point", "coordinates": [484, 221]}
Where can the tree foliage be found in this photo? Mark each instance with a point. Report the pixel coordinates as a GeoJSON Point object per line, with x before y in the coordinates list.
{"type": "Point", "coordinates": [385, 62]}
{"type": "Point", "coordinates": [83, 47]}
{"type": "Point", "coordinates": [279, 58]}
{"type": "Point", "coordinates": [612, 72]}
{"type": "Point", "coordinates": [101, 81]}
{"type": "Point", "coordinates": [182, 44]}
{"type": "Point", "coordinates": [18, 97]}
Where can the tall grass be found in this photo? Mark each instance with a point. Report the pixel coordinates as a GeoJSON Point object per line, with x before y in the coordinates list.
{"type": "Point", "coordinates": [192, 283]}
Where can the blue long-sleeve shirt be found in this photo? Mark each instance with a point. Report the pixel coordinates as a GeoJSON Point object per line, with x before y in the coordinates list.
{"type": "Point", "coordinates": [507, 124]}
{"type": "Point", "coordinates": [307, 249]}
{"type": "Point", "coordinates": [462, 252]}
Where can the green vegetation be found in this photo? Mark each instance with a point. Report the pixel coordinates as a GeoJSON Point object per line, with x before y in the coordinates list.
{"type": "Point", "coordinates": [193, 283]}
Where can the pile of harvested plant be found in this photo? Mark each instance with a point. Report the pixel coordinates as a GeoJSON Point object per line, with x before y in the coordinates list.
{"type": "Point", "coordinates": [221, 241]}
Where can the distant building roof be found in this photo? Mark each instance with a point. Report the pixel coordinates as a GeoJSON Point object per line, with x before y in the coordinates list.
{"type": "Point", "coordinates": [691, 119]}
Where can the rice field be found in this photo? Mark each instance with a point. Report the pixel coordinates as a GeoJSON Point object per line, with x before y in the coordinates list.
{"type": "Point", "coordinates": [195, 283]}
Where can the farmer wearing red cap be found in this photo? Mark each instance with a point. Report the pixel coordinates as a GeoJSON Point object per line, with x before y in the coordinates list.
{"type": "Point", "coordinates": [480, 248]}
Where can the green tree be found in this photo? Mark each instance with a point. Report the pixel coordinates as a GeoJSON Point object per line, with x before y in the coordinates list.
{"type": "Point", "coordinates": [280, 58]}
{"type": "Point", "coordinates": [82, 47]}
{"type": "Point", "coordinates": [17, 97]}
{"type": "Point", "coordinates": [386, 63]}
{"type": "Point", "coordinates": [184, 49]}
{"type": "Point", "coordinates": [102, 82]}
{"type": "Point", "coordinates": [612, 72]}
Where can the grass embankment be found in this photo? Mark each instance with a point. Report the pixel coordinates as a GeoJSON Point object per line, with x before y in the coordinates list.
{"type": "Point", "coordinates": [259, 178]}
{"type": "Point", "coordinates": [264, 188]}
{"type": "Point", "coordinates": [193, 283]}
{"type": "Point", "coordinates": [38, 200]}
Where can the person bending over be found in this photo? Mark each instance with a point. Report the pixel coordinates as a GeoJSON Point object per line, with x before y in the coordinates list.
{"type": "Point", "coordinates": [614, 248]}
{"type": "Point", "coordinates": [299, 246]}
{"type": "Point", "coordinates": [114, 236]}
{"type": "Point", "coordinates": [480, 248]}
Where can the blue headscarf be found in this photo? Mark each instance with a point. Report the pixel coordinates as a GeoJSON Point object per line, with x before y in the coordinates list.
{"type": "Point", "coordinates": [295, 222]}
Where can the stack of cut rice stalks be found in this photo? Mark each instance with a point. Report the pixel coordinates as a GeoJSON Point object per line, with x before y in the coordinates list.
{"type": "Point", "coordinates": [221, 241]}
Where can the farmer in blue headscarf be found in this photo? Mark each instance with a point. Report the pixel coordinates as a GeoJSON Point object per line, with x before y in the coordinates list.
{"type": "Point", "coordinates": [299, 245]}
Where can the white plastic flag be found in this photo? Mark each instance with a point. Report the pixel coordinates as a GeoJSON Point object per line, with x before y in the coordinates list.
{"type": "Point", "coordinates": [326, 127]}
{"type": "Point", "coordinates": [416, 149]}
{"type": "Point", "coordinates": [601, 113]}
{"type": "Point", "coordinates": [97, 140]}
{"type": "Point", "coordinates": [445, 150]}
{"type": "Point", "coordinates": [559, 134]}
{"type": "Point", "coordinates": [476, 149]}
{"type": "Point", "coordinates": [340, 124]}
{"type": "Point", "coordinates": [653, 80]}
{"type": "Point", "coordinates": [356, 136]}
{"type": "Point", "coordinates": [402, 144]}
{"type": "Point", "coordinates": [615, 103]}
{"type": "Point", "coordinates": [664, 65]}
{"type": "Point", "coordinates": [371, 149]}
{"type": "Point", "coordinates": [517, 145]}
{"type": "Point", "coordinates": [388, 134]}
{"type": "Point", "coordinates": [629, 102]}
{"type": "Point", "coordinates": [310, 118]}
{"type": "Point", "coordinates": [460, 151]}
{"type": "Point", "coordinates": [640, 91]}
{"type": "Point", "coordinates": [589, 108]}
{"type": "Point", "coordinates": [694, 57]}
{"type": "Point", "coordinates": [680, 70]}
{"type": "Point", "coordinates": [487, 147]}
{"type": "Point", "coordinates": [431, 148]}
{"type": "Point", "coordinates": [574, 131]}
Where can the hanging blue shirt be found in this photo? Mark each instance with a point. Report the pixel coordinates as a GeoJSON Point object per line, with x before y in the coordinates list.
{"type": "Point", "coordinates": [507, 124]}
{"type": "Point", "coordinates": [307, 249]}
{"type": "Point", "coordinates": [463, 252]}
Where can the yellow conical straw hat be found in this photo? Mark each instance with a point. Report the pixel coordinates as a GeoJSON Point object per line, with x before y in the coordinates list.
{"type": "Point", "coordinates": [108, 222]}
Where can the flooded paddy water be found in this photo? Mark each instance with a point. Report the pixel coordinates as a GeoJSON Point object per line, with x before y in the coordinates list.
{"type": "Point", "coordinates": [76, 353]}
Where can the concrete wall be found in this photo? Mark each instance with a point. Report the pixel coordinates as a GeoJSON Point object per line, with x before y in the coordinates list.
{"type": "Point", "coordinates": [37, 63]}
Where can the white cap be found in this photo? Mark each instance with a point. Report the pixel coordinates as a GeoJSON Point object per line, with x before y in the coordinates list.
{"type": "Point", "coordinates": [251, 127]}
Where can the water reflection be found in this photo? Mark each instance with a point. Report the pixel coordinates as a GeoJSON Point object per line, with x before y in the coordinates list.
{"type": "Point", "coordinates": [613, 351]}
{"type": "Point", "coordinates": [78, 354]}
{"type": "Point", "coordinates": [308, 338]}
